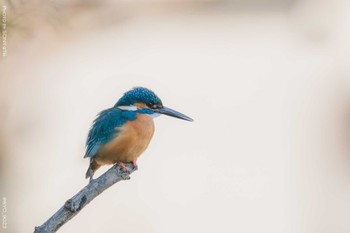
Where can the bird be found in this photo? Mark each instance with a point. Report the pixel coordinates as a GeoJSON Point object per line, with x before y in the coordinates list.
{"type": "Point", "coordinates": [120, 134]}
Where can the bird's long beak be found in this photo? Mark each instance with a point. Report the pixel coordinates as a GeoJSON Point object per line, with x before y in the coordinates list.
{"type": "Point", "coordinates": [173, 113]}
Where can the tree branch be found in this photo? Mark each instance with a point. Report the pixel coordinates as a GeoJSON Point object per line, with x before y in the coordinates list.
{"type": "Point", "coordinates": [73, 206]}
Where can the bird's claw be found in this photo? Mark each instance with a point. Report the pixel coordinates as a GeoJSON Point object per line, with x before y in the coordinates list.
{"type": "Point", "coordinates": [123, 166]}
{"type": "Point", "coordinates": [124, 171]}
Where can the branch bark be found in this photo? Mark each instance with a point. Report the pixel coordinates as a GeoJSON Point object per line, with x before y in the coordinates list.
{"type": "Point", "coordinates": [75, 204]}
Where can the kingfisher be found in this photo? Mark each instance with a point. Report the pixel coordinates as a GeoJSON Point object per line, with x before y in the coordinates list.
{"type": "Point", "coordinates": [122, 133]}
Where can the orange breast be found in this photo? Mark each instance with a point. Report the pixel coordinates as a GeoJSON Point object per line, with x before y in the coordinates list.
{"type": "Point", "coordinates": [133, 139]}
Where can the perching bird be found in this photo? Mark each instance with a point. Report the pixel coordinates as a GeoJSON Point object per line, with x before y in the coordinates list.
{"type": "Point", "coordinates": [120, 134]}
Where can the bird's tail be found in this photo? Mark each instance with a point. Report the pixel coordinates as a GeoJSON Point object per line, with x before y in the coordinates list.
{"type": "Point", "coordinates": [92, 168]}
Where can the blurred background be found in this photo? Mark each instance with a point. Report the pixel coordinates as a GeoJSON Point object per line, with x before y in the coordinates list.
{"type": "Point", "coordinates": [267, 82]}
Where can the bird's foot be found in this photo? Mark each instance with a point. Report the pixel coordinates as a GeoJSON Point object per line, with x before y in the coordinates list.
{"type": "Point", "coordinates": [123, 166]}
{"type": "Point", "coordinates": [134, 163]}
{"type": "Point", "coordinates": [124, 171]}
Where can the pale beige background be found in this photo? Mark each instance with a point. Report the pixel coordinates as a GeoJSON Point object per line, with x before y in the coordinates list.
{"type": "Point", "coordinates": [267, 83]}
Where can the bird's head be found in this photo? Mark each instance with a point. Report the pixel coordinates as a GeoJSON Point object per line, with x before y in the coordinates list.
{"type": "Point", "coordinates": [146, 101]}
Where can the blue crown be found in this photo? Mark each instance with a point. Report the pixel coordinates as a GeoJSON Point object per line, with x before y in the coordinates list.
{"type": "Point", "coordinates": [139, 95]}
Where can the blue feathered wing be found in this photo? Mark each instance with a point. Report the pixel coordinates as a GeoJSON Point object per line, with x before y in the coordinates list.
{"type": "Point", "coordinates": [104, 128]}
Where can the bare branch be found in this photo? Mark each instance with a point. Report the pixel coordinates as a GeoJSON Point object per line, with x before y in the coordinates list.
{"type": "Point", "coordinates": [73, 206]}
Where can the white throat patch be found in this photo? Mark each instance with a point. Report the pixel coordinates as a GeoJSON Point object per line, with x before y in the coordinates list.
{"type": "Point", "coordinates": [128, 108]}
{"type": "Point", "coordinates": [154, 115]}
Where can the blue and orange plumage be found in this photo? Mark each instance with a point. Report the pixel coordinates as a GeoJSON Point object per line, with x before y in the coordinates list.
{"type": "Point", "coordinates": [120, 134]}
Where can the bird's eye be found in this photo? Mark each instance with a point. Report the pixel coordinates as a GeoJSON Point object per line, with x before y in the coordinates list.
{"type": "Point", "coordinates": [154, 106]}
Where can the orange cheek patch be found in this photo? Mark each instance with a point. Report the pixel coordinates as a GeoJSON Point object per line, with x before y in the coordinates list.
{"type": "Point", "coordinates": [140, 105]}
